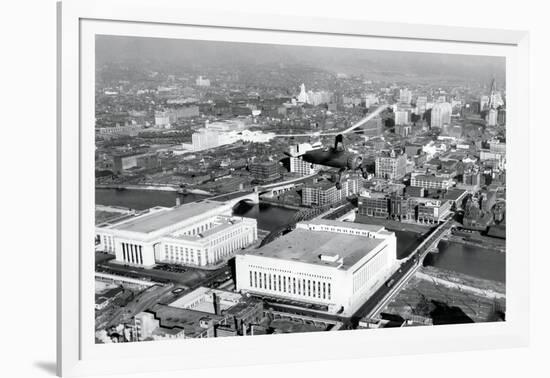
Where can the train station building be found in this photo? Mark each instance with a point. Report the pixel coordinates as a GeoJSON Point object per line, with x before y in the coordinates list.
{"type": "Point", "coordinates": [200, 233]}
{"type": "Point", "coordinates": [334, 266]}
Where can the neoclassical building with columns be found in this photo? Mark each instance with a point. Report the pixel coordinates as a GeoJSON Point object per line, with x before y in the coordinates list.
{"type": "Point", "coordinates": [199, 233]}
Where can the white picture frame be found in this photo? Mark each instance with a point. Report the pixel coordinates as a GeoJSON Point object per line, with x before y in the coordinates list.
{"type": "Point", "coordinates": [76, 351]}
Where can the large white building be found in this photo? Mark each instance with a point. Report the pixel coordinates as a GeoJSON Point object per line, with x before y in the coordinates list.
{"type": "Point", "coordinates": [334, 265]}
{"type": "Point", "coordinates": [405, 96]}
{"type": "Point", "coordinates": [431, 182]}
{"type": "Point", "coordinates": [303, 168]}
{"type": "Point", "coordinates": [371, 99]}
{"type": "Point", "coordinates": [325, 192]}
{"type": "Point", "coordinates": [216, 134]}
{"type": "Point", "coordinates": [202, 82]}
{"type": "Point", "coordinates": [162, 119]}
{"type": "Point", "coordinates": [198, 233]}
{"type": "Point", "coordinates": [205, 139]}
{"type": "Point", "coordinates": [313, 98]}
{"type": "Point", "coordinates": [402, 116]}
{"type": "Point", "coordinates": [492, 117]}
{"type": "Point", "coordinates": [392, 167]}
{"type": "Point", "coordinates": [421, 104]}
{"type": "Point", "coordinates": [441, 114]}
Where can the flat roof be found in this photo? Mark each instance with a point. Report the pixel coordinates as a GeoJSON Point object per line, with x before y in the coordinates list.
{"type": "Point", "coordinates": [357, 226]}
{"type": "Point", "coordinates": [430, 178]}
{"type": "Point", "coordinates": [163, 218]}
{"type": "Point", "coordinates": [220, 224]}
{"type": "Point", "coordinates": [454, 194]}
{"type": "Point", "coordinates": [322, 184]}
{"type": "Point", "coordinates": [307, 246]}
{"type": "Point", "coordinates": [172, 317]}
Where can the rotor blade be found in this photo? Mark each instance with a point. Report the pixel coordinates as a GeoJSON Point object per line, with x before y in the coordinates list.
{"type": "Point", "coordinates": [334, 133]}
{"type": "Point", "coordinates": [379, 110]}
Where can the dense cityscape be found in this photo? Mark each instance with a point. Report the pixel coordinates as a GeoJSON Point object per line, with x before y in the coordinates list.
{"type": "Point", "coordinates": [253, 189]}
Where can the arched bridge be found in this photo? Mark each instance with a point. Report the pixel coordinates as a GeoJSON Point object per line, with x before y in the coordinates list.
{"type": "Point", "coordinates": [234, 198]}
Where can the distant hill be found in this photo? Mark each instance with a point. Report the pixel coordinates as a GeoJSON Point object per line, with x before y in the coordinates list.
{"type": "Point", "coordinates": [384, 64]}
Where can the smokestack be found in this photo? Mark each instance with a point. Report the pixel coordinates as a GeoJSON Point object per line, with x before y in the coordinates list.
{"type": "Point", "coordinates": [178, 201]}
{"type": "Point", "coordinates": [216, 301]}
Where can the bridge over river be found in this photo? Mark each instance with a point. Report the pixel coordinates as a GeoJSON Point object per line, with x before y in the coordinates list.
{"type": "Point", "coordinates": [408, 268]}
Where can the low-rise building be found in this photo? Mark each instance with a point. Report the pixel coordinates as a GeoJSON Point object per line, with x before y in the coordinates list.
{"type": "Point", "coordinates": [324, 192]}
{"type": "Point", "coordinates": [125, 162]}
{"type": "Point", "coordinates": [163, 322]}
{"type": "Point", "coordinates": [431, 182]}
{"type": "Point", "coordinates": [391, 166]}
{"type": "Point", "coordinates": [433, 211]}
{"type": "Point", "coordinates": [264, 171]}
{"type": "Point", "coordinates": [303, 168]}
{"type": "Point", "coordinates": [387, 206]}
{"type": "Point", "coordinates": [373, 205]}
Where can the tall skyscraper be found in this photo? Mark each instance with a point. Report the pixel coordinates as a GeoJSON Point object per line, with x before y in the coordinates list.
{"type": "Point", "coordinates": [302, 97]}
{"type": "Point", "coordinates": [405, 96]}
{"type": "Point", "coordinates": [484, 103]}
{"type": "Point", "coordinates": [421, 102]}
{"type": "Point", "coordinates": [492, 117]}
{"type": "Point", "coordinates": [441, 114]}
{"type": "Point", "coordinates": [402, 117]}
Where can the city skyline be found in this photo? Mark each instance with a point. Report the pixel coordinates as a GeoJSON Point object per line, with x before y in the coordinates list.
{"type": "Point", "coordinates": [174, 52]}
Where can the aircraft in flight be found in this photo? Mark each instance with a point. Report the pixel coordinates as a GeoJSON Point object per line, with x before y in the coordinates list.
{"type": "Point", "coordinates": [336, 156]}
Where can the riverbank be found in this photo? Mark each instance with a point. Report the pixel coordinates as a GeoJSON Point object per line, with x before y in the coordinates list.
{"type": "Point", "coordinates": [482, 242]}
{"type": "Point", "coordinates": [162, 188]}
{"type": "Point", "coordinates": [462, 282]}
{"type": "Point", "coordinates": [478, 299]}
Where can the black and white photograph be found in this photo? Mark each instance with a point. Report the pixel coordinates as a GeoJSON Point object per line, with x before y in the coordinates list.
{"type": "Point", "coordinates": [246, 189]}
{"type": "Point", "coordinates": [275, 189]}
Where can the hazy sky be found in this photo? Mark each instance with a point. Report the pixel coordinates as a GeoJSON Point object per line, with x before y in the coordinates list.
{"type": "Point", "coordinates": [194, 52]}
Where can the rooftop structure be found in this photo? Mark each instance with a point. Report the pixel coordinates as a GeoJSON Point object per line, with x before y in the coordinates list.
{"type": "Point", "coordinates": [301, 244]}
{"type": "Point", "coordinates": [207, 300]}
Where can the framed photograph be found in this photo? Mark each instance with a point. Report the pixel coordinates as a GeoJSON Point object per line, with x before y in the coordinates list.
{"type": "Point", "coordinates": [264, 189]}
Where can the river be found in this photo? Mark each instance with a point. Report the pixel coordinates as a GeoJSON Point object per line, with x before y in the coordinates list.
{"type": "Point", "coordinates": [269, 217]}
{"type": "Point", "coordinates": [141, 199]}
{"type": "Point", "coordinates": [474, 261]}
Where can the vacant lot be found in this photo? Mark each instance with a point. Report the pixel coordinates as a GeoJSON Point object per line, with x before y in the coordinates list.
{"type": "Point", "coordinates": [478, 299]}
